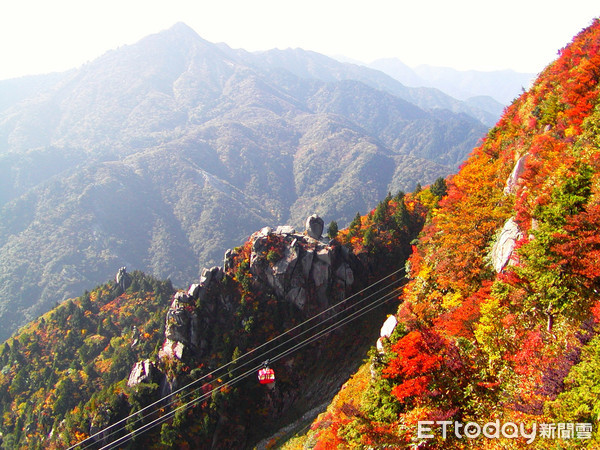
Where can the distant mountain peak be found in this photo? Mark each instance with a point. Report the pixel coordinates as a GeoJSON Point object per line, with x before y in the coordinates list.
{"type": "Point", "coordinates": [181, 29]}
{"type": "Point", "coordinates": [181, 34]}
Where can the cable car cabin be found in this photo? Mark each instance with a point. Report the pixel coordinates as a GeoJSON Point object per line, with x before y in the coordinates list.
{"type": "Point", "coordinates": [266, 375]}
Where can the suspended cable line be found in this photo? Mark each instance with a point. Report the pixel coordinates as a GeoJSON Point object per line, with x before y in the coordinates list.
{"type": "Point", "coordinates": [121, 424]}
{"type": "Point", "coordinates": [238, 378]}
{"type": "Point", "coordinates": [259, 357]}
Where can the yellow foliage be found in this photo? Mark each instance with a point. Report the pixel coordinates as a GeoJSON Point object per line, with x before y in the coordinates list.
{"type": "Point", "coordinates": [427, 199]}
{"type": "Point", "coordinates": [451, 300]}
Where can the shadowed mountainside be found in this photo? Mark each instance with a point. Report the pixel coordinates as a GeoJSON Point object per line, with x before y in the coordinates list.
{"type": "Point", "coordinates": [161, 154]}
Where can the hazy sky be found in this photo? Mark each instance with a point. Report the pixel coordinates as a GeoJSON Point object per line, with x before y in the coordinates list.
{"type": "Point", "coordinates": [39, 36]}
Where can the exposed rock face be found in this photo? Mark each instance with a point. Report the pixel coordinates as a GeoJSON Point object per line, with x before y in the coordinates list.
{"type": "Point", "coordinates": [142, 372]}
{"type": "Point", "coordinates": [122, 278]}
{"type": "Point", "coordinates": [513, 180]}
{"type": "Point", "coordinates": [386, 331]}
{"type": "Point", "coordinates": [296, 268]}
{"type": "Point", "coordinates": [299, 264]}
{"type": "Point", "coordinates": [283, 229]}
{"type": "Point", "coordinates": [314, 226]}
{"type": "Point", "coordinates": [505, 245]}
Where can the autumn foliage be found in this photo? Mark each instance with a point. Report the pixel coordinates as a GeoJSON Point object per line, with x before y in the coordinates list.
{"type": "Point", "coordinates": [516, 345]}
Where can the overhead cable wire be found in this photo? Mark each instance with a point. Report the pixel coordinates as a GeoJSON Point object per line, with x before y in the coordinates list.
{"type": "Point", "coordinates": [238, 378]}
{"type": "Point", "coordinates": [237, 366]}
{"type": "Point", "coordinates": [120, 422]}
{"type": "Point", "coordinates": [237, 360]}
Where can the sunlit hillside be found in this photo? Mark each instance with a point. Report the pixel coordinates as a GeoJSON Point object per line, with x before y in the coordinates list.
{"type": "Point", "coordinates": [499, 322]}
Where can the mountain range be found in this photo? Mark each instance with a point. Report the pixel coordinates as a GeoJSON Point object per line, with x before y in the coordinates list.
{"type": "Point", "coordinates": [497, 88]}
{"type": "Point", "coordinates": [160, 155]}
{"type": "Point", "coordinates": [489, 278]}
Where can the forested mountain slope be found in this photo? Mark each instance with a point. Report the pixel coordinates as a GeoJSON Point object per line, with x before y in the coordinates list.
{"type": "Point", "coordinates": [499, 321]}
{"type": "Point", "coordinates": [180, 367]}
{"type": "Point", "coordinates": [161, 155]}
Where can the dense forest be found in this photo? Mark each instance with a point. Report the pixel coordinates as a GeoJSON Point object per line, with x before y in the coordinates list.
{"type": "Point", "coordinates": [496, 272]}
{"type": "Point", "coordinates": [499, 322]}
{"type": "Point", "coordinates": [119, 359]}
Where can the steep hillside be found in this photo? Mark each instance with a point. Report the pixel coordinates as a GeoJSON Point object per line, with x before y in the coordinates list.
{"type": "Point", "coordinates": [161, 154]}
{"type": "Point", "coordinates": [75, 353]}
{"type": "Point", "coordinates": [283, 295]}
{"type": "Point", "coordinates": [497, 338]}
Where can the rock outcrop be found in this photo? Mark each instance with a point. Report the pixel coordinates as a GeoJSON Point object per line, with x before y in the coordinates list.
{"type": "Point", "coordinates": [513, 180]}
{"type": "Point", "coordinates": [386, 331]}
{"type": "Point", "coordinates": [314, 226]}
{"type": "Point", "coordinates": [142, 372]}
{"type": "Point", "coordinates": [122, 278]}
{"type": "Point", "coordinates": [297, 269]}
{"type": "Point", "coordinates": [504, 247]}
{"type": "Point", "coordinates": [297, 266]}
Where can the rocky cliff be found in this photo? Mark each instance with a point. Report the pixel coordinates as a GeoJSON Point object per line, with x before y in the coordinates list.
{"type": "Point", "coordinates": [279, 278]}
{"type": "Point", "coordinates": [304, 272]}
{"type": "Point", "coordinates": [276, 281]}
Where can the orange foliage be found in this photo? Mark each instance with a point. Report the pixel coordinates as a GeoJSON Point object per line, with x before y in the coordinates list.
{"type": "Point", "coordinates": [417, 356]}
{"type": "Point", "coordinates": [461, 321]}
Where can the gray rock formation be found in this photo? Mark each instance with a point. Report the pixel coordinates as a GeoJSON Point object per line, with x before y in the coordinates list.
{"type": "Point", "coordinates": [282, 229]}
{"type": "Point", "coordinates": [513, 180]}
{"type": "Point", "coordinates": [503, 248]}
{"type": "Point", "coordinates": [314, 226]}
{"type": "Point", "coordinates": [142, 372]}
{"type": "Point", "coordinates": [304, 265]}
{"type": "Point", "coordinates": [296, 268]}
{"type": "Point", "coordinates": [122, 278]}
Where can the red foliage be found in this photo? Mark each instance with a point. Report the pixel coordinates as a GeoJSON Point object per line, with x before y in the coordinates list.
{"type": "Point", "coordinates": [460, 322]}
{"type": "Point", "coordinates": [419, 354]}
{"type": "Point", "coordinates": [527, 358]}
{"type": "Point", "coordinates": [596, 312]}
{"type": "Point", "coordinates": [579, 246]}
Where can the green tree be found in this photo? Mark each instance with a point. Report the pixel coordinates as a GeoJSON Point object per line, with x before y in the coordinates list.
{"type": "Point", "coordinates": [369, 238]}
{"type": "Point", "coordinates": [580, 401]}
{"type": "Point", "coordinates": [401, 216]}
{"type": "Point", "coordinates": [439, 188]}
{"type": "Point", "coordinates": [381, 211]}
{"type": "Point", "coordinates": [356, 222]}
{"type": "Point", "coordinates": [354, 226]}
{"type": "Point", "coordinates": [332, 230]}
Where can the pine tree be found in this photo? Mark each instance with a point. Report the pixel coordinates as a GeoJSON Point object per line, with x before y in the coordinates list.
{"type": "Point", "coordinates": [439, 188]}
{"type": "Point", "coordinates": [332, 230]}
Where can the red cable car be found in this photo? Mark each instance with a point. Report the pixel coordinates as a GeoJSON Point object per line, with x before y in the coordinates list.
{"type": "Point", "coordinates": [266, 375]}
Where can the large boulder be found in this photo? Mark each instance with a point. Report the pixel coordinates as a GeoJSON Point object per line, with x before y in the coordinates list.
{"type": "Point", "coordinates": [142, 372]}
{"type": "Point", "coordinates": [314, 226]}
{"type": "Point", "coordinates": [285, 229]}
{"type": "Point", "coordinates": [505, 245]}
{"type": "Point", "coordinates": [122, 278]}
